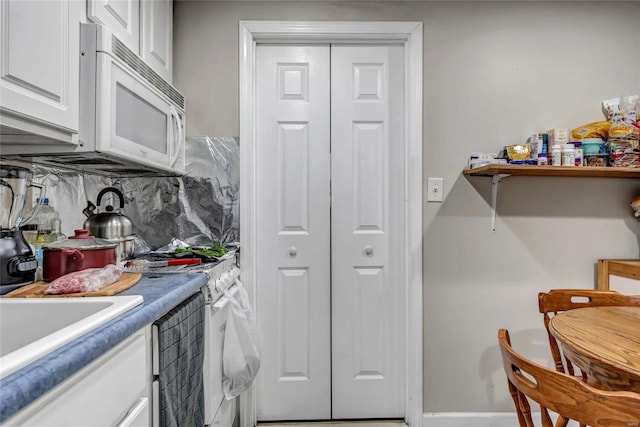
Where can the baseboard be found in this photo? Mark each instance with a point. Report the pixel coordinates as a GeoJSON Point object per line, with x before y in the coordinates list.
{"type": "Point", "coordinates": [478, 419]}
{"type": "Point", "coordinates": [465, 419]}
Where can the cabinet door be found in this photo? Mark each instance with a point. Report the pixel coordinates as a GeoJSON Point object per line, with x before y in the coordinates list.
{"type": "Point", "coordinates": [111, 391]}
{"type": "Point", "coordinates": [39, 80]}
{"type": "Point", "coordinates": [157, 36]}
{"type": "Point", "coordinates": [122, 17]}
{"type": "Point", "coordinates": [138, 415]}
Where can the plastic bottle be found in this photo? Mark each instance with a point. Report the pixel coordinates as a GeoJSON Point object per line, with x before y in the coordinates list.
{"type": "Point", "coordinates": [568, 155]}
{"type": "Point", "coordinates": [47, 223]}
{"type": "Point", "coordinates": [56, 230]}
{"type": "Point", "coordinates": [556, 155]}
{"type": "Point", "coordinates": [542, 159]}
{"type": "Point", "coordinates": [44, 220]}
{"type": "Point", "coordinates": [579, 157]}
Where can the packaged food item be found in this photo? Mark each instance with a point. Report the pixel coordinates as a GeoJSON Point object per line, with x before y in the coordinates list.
{"type": "Point", "coordinates": [611, 107]}
{"type": "Point", "coordinates": [477, 160]}
{"type": "Point", "coordinates": [619, 157]}
{"type": "Point", "coordinates": [623, 143]}
{"type": "Point", "coordinates": [591, 130]}
{"type": "Point", "coordinates": [598, 160]}
{"type": "Point", "coordinates": [90, 279]}
{"type": "Point", "coordinates": [558, 136]}
{"type": "Point", "coordinates": [630, 108]}
{"type": "Point", "coordinates": [620, 129]}
{"type": "Point", "coordinates": [518, 151]}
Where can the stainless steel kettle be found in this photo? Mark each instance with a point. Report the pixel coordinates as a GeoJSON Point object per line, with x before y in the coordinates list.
{"type": "Point", "coordinates": [111, 225]}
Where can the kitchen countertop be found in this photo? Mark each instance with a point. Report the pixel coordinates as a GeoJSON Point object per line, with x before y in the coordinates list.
{"type": "Point", "coordinates": [161, 292]}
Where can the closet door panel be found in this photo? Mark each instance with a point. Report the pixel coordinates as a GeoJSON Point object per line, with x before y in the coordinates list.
{"type": "Point", "coordinates": [366, 229]}
{"type": "Point", "coordinates": [293, 277]}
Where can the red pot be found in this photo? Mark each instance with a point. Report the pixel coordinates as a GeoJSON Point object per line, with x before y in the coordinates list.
{"type": "Point", "coordinates": [78, 252]}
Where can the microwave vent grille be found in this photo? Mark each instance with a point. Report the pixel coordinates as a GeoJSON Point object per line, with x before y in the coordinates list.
{"type": "Point", "coordinates": [134, 61]}
{"type": "Point", "coordinates": [94, 163]}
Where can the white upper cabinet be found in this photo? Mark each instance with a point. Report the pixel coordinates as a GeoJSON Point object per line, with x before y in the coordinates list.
{"type": "Point", "coordinates": [156, 47]}
{"type": "Point", "coordinates": [39, 60]}
{"type": "Point", "coordinates": [122, 17]}
{"type": "Point", "coordinates": [144, 26]}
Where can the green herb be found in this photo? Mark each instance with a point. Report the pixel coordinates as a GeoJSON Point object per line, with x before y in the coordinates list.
{"type": "Point", "coordinates": [211, 252]}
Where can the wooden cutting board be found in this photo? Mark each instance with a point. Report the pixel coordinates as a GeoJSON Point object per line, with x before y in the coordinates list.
{"type": "Point", "coordinates": [37, 289]}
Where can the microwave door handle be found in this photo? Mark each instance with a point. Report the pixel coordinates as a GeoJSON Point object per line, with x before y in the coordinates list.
{"type": "Point", "coordinates": [176, 135]}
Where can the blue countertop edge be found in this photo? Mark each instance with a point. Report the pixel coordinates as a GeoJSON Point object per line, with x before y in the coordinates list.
{"type": "Point", "coordinates": [161, 292]}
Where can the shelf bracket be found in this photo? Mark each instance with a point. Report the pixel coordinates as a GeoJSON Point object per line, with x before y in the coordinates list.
{"type": "Point", "coordinates": [495, 190]}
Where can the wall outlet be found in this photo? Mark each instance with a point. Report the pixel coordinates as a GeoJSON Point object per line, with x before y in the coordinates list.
{"type": "Point", "coordinates": [435, 188]}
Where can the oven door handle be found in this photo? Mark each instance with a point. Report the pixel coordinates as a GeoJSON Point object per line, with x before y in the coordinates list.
{"type": "Point", "coordinates": [224, 300]}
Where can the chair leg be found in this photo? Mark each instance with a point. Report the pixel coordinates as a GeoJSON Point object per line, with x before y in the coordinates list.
{"type": "Point", "coordinates": [522, 418]}
{"type": "Point", "coordinates": [525, 410]}
{"type": "Point", "coordinates": [545, 418]}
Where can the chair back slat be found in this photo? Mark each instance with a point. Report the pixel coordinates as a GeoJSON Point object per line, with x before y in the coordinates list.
{"type": "Point", "coordinates": [558, 300]}
{"type": "Point", "coordinates": [566, 395]}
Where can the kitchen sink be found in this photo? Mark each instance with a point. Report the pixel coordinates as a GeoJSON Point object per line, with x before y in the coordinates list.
{"type": "Point", "coordinates": [31, 328]}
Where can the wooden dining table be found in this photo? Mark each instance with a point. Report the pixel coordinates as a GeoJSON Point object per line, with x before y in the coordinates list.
{"type": "Point", "coordinates": [603, 342]}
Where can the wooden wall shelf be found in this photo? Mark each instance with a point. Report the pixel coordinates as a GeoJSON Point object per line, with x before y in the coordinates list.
{"type": "Point", "coordinates": [561, 171]}
{"type": "Point", "coordinates": [499, 172]}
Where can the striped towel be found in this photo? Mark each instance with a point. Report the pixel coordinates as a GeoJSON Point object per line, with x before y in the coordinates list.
{"type": "Point", "coordinates": [181, 344]}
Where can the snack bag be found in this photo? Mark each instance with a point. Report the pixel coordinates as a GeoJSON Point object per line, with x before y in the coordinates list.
{"type": "Point", "coordinates": [518, 151]}
{"type": "Point", "coordinates": [592, 130]}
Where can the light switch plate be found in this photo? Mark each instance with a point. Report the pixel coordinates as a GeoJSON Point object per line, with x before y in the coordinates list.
{"type": "Point", "coordinates": [435, 188]}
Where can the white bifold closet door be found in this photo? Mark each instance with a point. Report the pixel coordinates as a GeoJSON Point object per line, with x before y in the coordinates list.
{"type": "Point", "coordinates": [330, 301]}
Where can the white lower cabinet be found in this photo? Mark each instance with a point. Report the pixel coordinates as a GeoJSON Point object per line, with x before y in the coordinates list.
{"type": "Point", "coordinates": [113, 390]}
{"type": "Point", "coordinates": [119, 388]}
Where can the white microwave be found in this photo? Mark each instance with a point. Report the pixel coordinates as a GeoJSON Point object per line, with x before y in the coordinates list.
{"type": "Point", "coordinates": [132, 121]}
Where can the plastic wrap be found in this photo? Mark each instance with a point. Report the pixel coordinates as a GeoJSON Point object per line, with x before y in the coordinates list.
{"type": "Point", "coordinates": [203, 204]}
{"type": "Point", "coordinates": [87, 280]}
{"type": "Point", "coordinates": [241, 348]}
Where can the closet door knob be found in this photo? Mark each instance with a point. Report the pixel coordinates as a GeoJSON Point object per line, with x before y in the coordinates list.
{"type": "Point", "coordinates": [293, 251]}
{"type": "Point", "coordinates": [368, 250]}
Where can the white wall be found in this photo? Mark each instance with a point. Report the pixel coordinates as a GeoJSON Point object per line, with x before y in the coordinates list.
{"type": "Point", "coordinates": [494, 72]}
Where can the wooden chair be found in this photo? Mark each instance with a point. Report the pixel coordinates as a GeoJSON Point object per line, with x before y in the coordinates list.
{"type": "Point", "coordinates": [558, 300]}
{"type": "Point", "coordinates": [565, 395]}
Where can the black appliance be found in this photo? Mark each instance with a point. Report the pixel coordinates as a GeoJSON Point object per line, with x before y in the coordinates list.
{"type": "Point", "coordinates": [18, 265]}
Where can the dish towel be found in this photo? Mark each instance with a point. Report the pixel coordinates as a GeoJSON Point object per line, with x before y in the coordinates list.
{"type": "Point", "coordinates": [181, 344]}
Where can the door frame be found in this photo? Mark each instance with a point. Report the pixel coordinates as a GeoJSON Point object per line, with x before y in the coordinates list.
{"type": "Point", "coordinates": [409, 34]}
